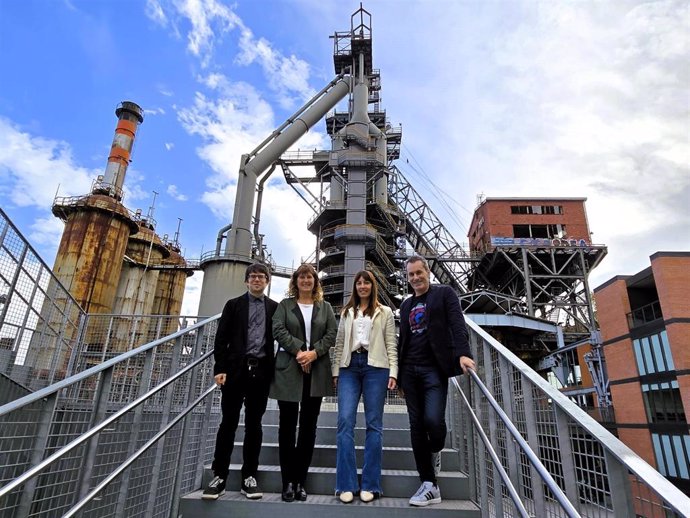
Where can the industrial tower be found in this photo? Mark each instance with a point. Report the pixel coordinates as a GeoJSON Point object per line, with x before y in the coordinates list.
{"type": "Point", "coordinates": [110, 259]}
{"type": "Point", "coordinates": [367, 215]}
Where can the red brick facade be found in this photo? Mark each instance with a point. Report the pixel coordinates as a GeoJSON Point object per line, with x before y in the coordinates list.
{"type": "Point", "coordinates": [640, 307]}
{"type": "Point", "coordinates": [564, 218]}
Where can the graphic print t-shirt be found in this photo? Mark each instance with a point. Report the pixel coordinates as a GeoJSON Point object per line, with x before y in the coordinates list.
{"type": "Point", "coordinates": [418, 348]}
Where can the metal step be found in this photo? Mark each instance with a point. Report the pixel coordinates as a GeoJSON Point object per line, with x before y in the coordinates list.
{"type": "Point", "coordinates": [397, 483]}
{"type": "Point", "coordinates": [400, 479]}
{"type": "Point", "coordinates": [397, 457]}
{"type": "Point", "coordinates": [234, 504]}
{"type": "Point", "coordinates": [395, 417]}
{"type": "Point", "coordinates": [326, 435]}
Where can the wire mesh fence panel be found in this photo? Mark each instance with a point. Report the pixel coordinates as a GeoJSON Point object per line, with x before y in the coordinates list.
{"type": "Point", "coordinates": [92, 400]}
{"type": "Point", "coordinates": [39, 319]}
{"type": "Point", "coordinates": [586, 463]}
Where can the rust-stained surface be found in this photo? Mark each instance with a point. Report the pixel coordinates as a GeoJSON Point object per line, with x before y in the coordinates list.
{"type": "Point", "coordinates": [89, 259]}
{"type": "Point", "coordinates": [170, 288]}
{"type": "Point", "coordinates": [137, 285]}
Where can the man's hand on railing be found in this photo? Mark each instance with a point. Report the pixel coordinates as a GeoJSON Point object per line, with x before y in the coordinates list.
{"type": "Point", "coordinates": [220, 379]}
{"type": "Point", "coordinates": [467, 363]}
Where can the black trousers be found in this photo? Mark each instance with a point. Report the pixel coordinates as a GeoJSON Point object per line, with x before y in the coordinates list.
{"type": "Point", "coordinates": [251, 389]}
{"type": "Point", "coordinates": [296, 451]}
{"type": "Point", "coordinates": [426, 392]}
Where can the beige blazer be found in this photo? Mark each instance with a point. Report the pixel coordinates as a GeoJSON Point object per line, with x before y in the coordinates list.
{"type": "Point", "coordinates": [383, 348]}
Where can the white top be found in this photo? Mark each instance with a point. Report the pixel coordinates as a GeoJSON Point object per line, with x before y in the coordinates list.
{"type": "Point", "coordinates": [361, 330]}
{"type": "Point", "coordinates": [307, 310]}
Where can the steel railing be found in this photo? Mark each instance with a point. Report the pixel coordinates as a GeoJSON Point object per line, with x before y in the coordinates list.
{"type": "Point", "coordinates": [541, 438]}
{"type": "Point", "coordinates": [65, 446]}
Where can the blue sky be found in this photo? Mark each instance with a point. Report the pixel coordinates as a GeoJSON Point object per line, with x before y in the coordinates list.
{"type": "Point", "coordinates": [502, 98]}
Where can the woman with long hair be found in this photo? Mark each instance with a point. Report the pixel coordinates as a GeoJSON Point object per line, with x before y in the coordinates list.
{"type": "Point", "coordinates": [304, 327]}
{"type": "Point", "coordinates": [366, 365]}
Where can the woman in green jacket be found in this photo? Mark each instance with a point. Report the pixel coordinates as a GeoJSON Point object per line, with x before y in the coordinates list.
{"type": "Point", "coordinates": [302, 374]}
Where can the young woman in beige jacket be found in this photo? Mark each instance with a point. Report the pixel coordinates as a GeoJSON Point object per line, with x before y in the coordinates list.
{"type": "Point", "coordinates": [366, 365]}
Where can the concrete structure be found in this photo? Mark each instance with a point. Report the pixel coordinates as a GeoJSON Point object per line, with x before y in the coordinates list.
{"type": "Point", "coordinates": [645, 330]}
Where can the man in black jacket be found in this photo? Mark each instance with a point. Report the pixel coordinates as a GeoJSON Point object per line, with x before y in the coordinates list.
{"type": "Point", "coordinates": [244, 356]}
{"type": "Point", "coordinates": [432, 347]}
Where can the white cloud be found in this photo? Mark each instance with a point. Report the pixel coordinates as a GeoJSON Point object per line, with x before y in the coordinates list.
{"type": "Point", "coordinates": [169, 145]}
{"type": "Point", "coordinates": [284, 74]}
{"type": "Point", "coordinates": [154, 111]}
{"type": "Point", "coordinates": [33, 167]}
{"type": "Point", "coordinates": [173, 192]}
{"type": "Point", "coordinates": [155, 12]}
{"type": "Point", "coordinates": [192, 294]}
{"type": "Point", "coordinates": [46, 232]}
{"type": "Point", "coordinates": [134, 190]}
{"type": "Point", "coordinates": [230, 124]}
{"type": "Point", "coordinates": [209, 20]}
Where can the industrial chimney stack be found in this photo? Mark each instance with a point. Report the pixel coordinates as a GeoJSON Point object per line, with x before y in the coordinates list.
{"type": "Point", "coordinates": [97, 226]}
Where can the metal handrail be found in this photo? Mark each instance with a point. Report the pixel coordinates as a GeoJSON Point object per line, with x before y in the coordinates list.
{"type": "Point", "coordinates": [52, 389]}
{"type": "Point", "coordinates": [126, 464]}
{"type": "Point", "coordinates": [36, 470]}
{"type": "Point", "coordinates": [672, 496]}
{"type": "Point", "coordinates": [494, 457]}
{"type": "Point", "coordinates": [529, 453]}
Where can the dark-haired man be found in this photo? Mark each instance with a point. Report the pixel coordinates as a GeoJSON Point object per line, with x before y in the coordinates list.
{"type": "Point", "coordinates": [243, 353]}
{"type": "Point", "coordinates": [432, 347]}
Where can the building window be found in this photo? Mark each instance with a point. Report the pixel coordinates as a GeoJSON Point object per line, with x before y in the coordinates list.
{"type": "Point", "coordinates": [653, 354]}
{"type": "Point", "coordinates": [663, 402]}
{"type": "Point", "coordinates": [672, 455]}
{"type": "Point", "coordinates": [536, 209]}
{"type": "Point", "coordinates": [539, 231]}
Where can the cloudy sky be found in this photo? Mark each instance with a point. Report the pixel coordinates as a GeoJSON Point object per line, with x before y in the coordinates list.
{"type": "Point", "coordinates": [498, 98]}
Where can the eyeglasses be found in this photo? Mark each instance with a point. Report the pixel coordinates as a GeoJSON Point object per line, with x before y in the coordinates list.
{"type": "Point", "coordinates": [257, 276]}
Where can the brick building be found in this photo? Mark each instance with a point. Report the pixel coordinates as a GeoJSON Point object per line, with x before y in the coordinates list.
{"type": "Point", "coordinates": [528, 219]}
{"type": "Point", "coordinates": [645, 327]}
{"type": "Point", "coordinates": [533, 259]}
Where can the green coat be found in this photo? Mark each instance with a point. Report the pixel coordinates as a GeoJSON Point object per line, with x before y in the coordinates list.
{"type": "Point", "coordinates": [289, 332]}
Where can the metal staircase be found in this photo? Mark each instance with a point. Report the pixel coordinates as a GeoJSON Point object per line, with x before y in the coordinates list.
{"type": "Point", "coordinates": [132, 436]}
{"type": "Point", "coordinates": [400, 478]}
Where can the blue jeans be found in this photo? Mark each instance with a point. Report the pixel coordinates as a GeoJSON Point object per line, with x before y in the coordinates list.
{"type": "Point", "coordinates": [371, 382]}
{"type": "Point", "coordinates": [426, 392]}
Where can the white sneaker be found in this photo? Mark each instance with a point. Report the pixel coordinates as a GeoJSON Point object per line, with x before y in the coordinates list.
{"type": "Point", "coordinates": [366, 496]}
{"type": "Point", "coordinates": [436, 462]}
{"type": "Point", "coordinates": [427, 494]}
{"type": "Point", "coordinates": [346, 497]}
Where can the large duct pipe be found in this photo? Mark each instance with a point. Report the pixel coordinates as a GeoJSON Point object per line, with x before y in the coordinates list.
{"type": "Point", "coordinates": [240, 237]}
{"type": "Point", "coordinates": [221, 236]}
{"type": "Point", "coordinates": [257, 213]}
{"type": "Point", "coordinates": [130, 115]}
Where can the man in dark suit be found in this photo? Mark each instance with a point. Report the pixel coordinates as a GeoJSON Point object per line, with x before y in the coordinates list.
{"type": "Point", "coordinates": [244, 360]}
{"type": "Point", "coordinates": [432, 347]}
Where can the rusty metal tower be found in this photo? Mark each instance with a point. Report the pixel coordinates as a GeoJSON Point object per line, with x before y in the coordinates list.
{"type": "Point", "coordinates": [98, 226]}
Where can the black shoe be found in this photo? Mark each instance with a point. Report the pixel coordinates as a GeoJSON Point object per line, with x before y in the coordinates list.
{"type": "Point", "coordinates": [215, 489]}
{"type": "Point", "coordinates": [288, 494]}
{"type": "Point", "coordinates": [300, 493]}
{"type": "Point", "coordinates": [250, 489]}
